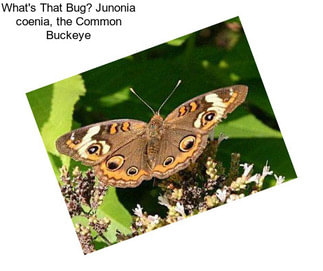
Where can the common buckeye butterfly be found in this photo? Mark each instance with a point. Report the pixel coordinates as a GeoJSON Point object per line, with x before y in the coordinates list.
{"type": "Point", "coordinates": [125, 152]}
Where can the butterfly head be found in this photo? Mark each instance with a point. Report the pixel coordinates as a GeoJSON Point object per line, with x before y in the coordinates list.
{"type": "Point", "coordinates": [155, 125]}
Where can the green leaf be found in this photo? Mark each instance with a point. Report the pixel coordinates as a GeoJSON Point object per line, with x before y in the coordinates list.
{"type": "Point", "coordinates": [258, 151]}
{"type": "Point", "coordinates": [99, 243]}
{"type": "Point", "coordinates": [56, 163]}
{"type": "Point", "coordinates": [257, 97]}
{"type": "Point", "coordinates": [245, 126]}
{"type": "Point", "coordinates": [78, 219]}
{"type": "Point", "coordinates": [53, 108]}
{"type": "Point", "coordinates": [65, 94]}
{"type": "Point", "coordinates": [256, 142]}
{"type": "Point", "coordinates": [116, 98]}
{"type": "Point", "coordinates": [114, 210]}
{"type": "Point", "coordinates": [40, 103]}
{"type": "Point", "coordinates": [178, 41]}
{"type": "Point", "coordinates": [110, 234]}
{"type": "Point", "coordinates": [86, 208]}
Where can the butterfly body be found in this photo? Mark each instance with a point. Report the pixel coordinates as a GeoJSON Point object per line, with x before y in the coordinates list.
{"type": "Point", "coordinates": [126, 152]}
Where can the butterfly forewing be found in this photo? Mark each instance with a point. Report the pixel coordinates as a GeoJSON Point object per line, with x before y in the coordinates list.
{"type": "Point", "coordinates": [92, 144]}
{"type": "Point", "coordinates": [203, 112]}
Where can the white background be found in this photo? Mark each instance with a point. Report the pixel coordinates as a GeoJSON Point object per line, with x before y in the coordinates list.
{"type": "Point", "coordinates": [278, 229]}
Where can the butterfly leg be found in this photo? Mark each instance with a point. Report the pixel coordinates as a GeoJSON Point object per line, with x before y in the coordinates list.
{"type": "Point", "coordinates": [222, 137]}
{"type": "Point", "coordinates": [211, 134]}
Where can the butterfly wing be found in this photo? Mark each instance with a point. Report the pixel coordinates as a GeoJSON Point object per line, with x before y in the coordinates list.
{"type": "Point", "coordinates": [187, 127]}
{"type": "Point", "coordinates": [203, 112]}
{"type": "Point", "coordinates": [127, 166]}
{"type": "Point", "coordinates": [94, 143]}
{"type": "Point", "coordinates": [178, 149]}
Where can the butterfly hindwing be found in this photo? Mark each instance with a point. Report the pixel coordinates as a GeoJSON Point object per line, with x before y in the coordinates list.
{"type": "Point", "coordinates": [127, 166]}
{"type": "Point", "coordinates": [177, 150]}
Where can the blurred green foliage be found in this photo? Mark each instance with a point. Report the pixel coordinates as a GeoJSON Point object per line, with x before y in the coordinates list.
{"type": "Point", "coordinates": [214, 57]}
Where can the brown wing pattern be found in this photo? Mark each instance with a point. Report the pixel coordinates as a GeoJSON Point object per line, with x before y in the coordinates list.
{"type": "Point", "coordinates": [92, 144]}
{"type": "Point", "coordinates": [187, 128]}
{"type": "Point", "coordinates": [203, 112]}
{"type": "Point", "coordinates": [178, 149]}
{"type": "Point", "coordinates": [126, 167]}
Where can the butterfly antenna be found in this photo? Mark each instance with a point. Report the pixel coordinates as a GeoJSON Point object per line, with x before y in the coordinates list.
{"type": "Point", "coordinates": [141, 99]}
{"type": "Point", "coordinates": [178, 83]}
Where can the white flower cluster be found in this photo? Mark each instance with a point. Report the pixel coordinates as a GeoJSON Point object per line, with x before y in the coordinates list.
{"type": "Point", "coordinates": [174, 212]}
{"type": "Point", "coordinates": [147, 222]}
{"type": "Point", "coordinates": [225, 194]}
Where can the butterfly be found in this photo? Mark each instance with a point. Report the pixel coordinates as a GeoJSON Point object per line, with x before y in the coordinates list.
{"type": "Point", "coordinates": [125, 152]}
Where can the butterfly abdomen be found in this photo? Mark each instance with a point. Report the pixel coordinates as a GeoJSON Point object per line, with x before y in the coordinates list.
{"type": "Point", "coordinates": [154, 134]}
{"type": "Point", "coordinates": [153, 148]}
